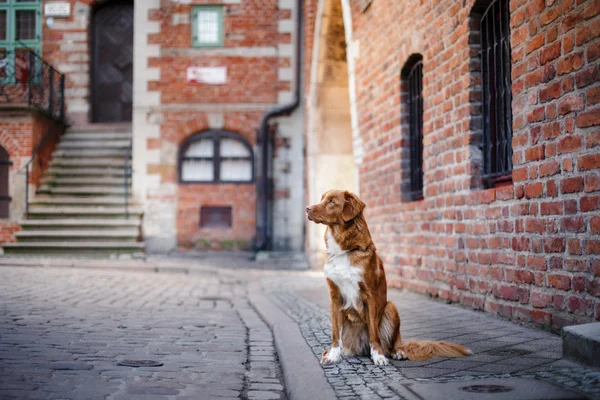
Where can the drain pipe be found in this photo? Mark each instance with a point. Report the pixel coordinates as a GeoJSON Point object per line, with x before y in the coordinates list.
{"type": "Point", "coordinates": [261, 241]}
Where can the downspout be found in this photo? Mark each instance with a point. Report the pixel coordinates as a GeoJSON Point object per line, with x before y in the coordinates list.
{"type": "Point", "coordinates": [262, 185]}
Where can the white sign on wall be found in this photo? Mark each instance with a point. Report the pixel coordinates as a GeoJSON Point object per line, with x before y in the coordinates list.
{"type": "Point", "coordinates": [57, 10]}
{"type": "Point", "coordinates": [207, 75]}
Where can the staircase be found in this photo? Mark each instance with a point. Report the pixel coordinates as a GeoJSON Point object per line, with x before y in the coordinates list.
{"type": "Point", "coordinates": [79, 208]}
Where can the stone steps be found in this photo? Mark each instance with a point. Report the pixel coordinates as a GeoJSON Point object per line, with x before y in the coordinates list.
{"type": "Point", "coordinates": [79, 208]}
{"type": "Point", "coordinates": [80, 235]}
{"type": "Point", "coordinates": [55, 201]}
{"type": "Point", "coordinates": [96, 136]}
{"type": "Point", "coordinates": [83, 190]}
{"type": "Point", "coordinates": [118, 153]}
{"type": "Point", "coordinates": [82, 212]}
{"type": "Point", "coordinates": [93, 144]}
{"type": "Point", "coordinates": [99, 162]}
{"type": "Point", "coordinates": [80, 224]}
{"type": "Point", "coordinates": [84, 181]}
{"type": "Point", "coordinates": [90, 172]}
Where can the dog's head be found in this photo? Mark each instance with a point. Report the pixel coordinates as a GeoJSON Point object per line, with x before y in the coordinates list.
{"type": "Point", "coordinates": [336, 207]}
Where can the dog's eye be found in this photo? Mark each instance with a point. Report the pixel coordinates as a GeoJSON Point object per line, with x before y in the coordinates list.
{"type": "Point", "coordinates": [331, 201]}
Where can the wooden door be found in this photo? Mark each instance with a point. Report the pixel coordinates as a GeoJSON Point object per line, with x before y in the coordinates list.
{"type": "Point", "coordinates": [112, 63]}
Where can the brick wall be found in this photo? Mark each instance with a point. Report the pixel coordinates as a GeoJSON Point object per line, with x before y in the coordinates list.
{"type": "Point", "coordinates": [66, 45]}
{"type": "Point", "coordinates": [178, 126]}
{"type": "Point", "coordinates": [20, 134]}
{"type": "Point", "coordinates": [257, 56]}
{"type": "Point", "coordinates": [529, 251]}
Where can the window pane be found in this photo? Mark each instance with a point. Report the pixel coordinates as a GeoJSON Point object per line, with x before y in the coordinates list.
{"type": "Point", "coordinates": [25, 27]}
{"type": "Point", "coordinates": [2, 24]}
{"type": "Point", "coordinates": [26, 1]}
{"type": "Point", "coordinates": [236, 170]}
{"type": "Point", "coordinates": [233, 148]}
{"type": "Point", "coordinates": [208, 26]}
{"type": "Point", "coordinates": [198, 170]}
{"type": "Point", "coordinates": [201, 148]}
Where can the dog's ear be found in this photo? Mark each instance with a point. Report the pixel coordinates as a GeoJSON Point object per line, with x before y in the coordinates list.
{"type": "Point", "coordinates": [352, 206]}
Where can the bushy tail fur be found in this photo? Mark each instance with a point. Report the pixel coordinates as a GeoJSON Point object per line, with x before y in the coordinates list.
{"type": "Point", "coordinates": [426, 349]}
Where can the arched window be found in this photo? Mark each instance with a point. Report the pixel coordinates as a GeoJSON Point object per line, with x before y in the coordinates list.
{"type": "Point", "coordinates": [216, 157]}
{"type": "Point", "coordinates": [497, 88]}
{"type": "Point", "coordinates": [412, 80]}
{"type": "Point", "coordinates": [4, 190]}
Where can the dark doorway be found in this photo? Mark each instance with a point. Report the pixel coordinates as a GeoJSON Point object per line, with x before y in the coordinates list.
{"type": "Point", "coordinates": [112, 62]}
{"type": "Point", "coordinates": [4, 188]}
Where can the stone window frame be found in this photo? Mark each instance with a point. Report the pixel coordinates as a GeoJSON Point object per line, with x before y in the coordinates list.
{"type": "Point", "coordinates": [196, 10]}
{"type": "Point", "coordinates": [480, 177]}
{"type": "Point", "coordinates": [215, 136]}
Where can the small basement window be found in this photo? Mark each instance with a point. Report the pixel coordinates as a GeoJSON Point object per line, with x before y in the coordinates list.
{"type": "Point", "coordinates": [215, 217]}
{"type": "Point", "coordinates": [207, 26]}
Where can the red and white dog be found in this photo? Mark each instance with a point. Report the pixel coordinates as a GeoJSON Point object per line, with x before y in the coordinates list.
{"type": "Point", "coordinates": [363, 322]}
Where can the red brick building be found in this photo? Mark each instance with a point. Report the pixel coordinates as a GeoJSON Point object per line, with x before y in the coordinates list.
{"type": "Point", "coordinates": [186, 85]}
{"type": "Point", "coordinates": [475, 134]}
{"type": "Point", "coordinates": [470, 129]}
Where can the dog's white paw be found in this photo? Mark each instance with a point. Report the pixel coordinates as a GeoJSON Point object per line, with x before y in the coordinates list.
{"type": "Point", "coordinates": [332, 356]}
{"type": "Point", "coordinates": [378, 358]}
{"type": "Point", "coordinates": [400, 355]}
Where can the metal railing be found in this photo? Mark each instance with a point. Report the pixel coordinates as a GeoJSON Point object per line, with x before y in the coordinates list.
{"type": "Point", "coordinates": [27, 80]}
{"type": "Point", "coordinates": [56, 129]}
{"type": "Point", "coordinates": [128, 170]}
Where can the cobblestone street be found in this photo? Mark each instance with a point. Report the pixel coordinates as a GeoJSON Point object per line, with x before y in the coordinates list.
{"type": "Point", "coordinates": [62, 333]}
{"type": "Point", "coordinates": [502, 350]}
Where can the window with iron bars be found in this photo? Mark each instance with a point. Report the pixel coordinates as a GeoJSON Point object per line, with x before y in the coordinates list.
{"type": "Point", "coordinates": [412, 77]}
{"type": "Point", "coordinates": [497, 92]}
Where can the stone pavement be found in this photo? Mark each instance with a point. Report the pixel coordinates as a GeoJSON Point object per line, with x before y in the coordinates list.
{"type": "Point", "coordinates": [502, 350]}
{"type": "Point", "coordinates": [62, 332]}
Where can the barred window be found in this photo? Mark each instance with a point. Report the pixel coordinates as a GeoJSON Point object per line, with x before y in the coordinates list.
{"type": "Point", "coordinates": [497, 92]}
{"type": "Point", "coordinates": [412, 77]}
{"type": "Point", "coordinates": [216, 157]}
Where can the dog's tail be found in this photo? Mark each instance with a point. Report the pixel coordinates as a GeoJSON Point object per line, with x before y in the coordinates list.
{"type": "Point", "coordinates": [426, 349]}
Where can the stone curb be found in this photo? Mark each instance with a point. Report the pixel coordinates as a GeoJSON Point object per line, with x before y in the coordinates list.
{"type": "Point", "coordinates": [89, 265]}
{"type": "Point", "coordinates": [304, 377]}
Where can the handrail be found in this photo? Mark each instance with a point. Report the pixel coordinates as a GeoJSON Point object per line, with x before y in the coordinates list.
{"type": "Point", "coordinates": [45, 138]}
{"type": "Point", "coordinates": [128, 172]}
{"type": "Point", "coordinates": [27, 79]}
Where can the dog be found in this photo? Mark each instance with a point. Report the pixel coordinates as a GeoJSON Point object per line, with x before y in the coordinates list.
{"type": "Point", "coordinates": [363, 322]}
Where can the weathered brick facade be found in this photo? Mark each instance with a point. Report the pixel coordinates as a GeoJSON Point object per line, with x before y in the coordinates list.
{"type": "Point", "coordinates": [257, 51]}
{"type": "Point", "coordinates": [20, 134]}
{"type": "Point", "coordinates": [529, 250]}
{"type": "Point", "coordinates": [259, 54]}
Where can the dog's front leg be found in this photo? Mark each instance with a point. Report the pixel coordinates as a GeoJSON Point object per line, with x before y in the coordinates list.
{"type": "Point", "coordinates": [334, 354]}
{"type": "Point", "coordinates": [373, 319]}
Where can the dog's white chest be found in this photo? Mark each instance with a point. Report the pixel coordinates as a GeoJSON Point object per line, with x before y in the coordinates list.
{"type": "Point", "coordinates": [346, 276]}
